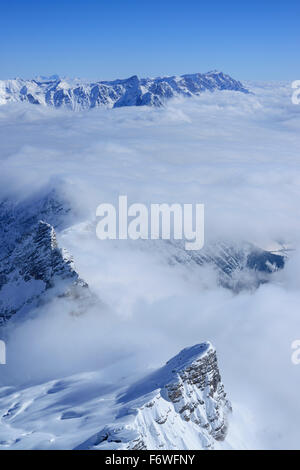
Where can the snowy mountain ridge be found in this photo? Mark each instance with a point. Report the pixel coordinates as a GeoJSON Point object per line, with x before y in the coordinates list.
{"type": "Point", "coordinates": [133, 91]}
{"type": "Point", "coordinates": [36, 265]}
{"type": "Point", "coordinates": [33, 267]}
{"type": "Point", "coordinates": [31, 263]}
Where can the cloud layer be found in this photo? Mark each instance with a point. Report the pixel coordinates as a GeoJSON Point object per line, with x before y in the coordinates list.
{"type": "Point", "coordinates": [237, 154]}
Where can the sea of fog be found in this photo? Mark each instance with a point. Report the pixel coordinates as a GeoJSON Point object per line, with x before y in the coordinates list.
{"type": "Point", "coordinates": [237, 154]}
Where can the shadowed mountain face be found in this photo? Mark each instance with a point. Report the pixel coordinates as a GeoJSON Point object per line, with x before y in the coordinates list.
{"type": "Point", "coordinates": [133, 91]}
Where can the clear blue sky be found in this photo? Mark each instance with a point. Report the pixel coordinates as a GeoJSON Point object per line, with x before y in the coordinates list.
{"type": "Point", "coordinates": [100, 39]}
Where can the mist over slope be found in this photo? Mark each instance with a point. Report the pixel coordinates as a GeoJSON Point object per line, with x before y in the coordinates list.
{"type": "Point", "coordinates": [236, 153]}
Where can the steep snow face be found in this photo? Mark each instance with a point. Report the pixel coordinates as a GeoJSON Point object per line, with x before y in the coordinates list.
{"type": "Point", "coordinates": [180, 406]}
{"type": "Point", "coordinates": [133, 91]}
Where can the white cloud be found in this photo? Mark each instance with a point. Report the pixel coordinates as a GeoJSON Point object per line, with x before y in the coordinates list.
{"type": "Point", "coordinates": [237, 154]}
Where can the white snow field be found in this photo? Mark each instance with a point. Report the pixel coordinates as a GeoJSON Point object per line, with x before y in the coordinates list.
{"type": "Point", "coordinates": [89, 325]}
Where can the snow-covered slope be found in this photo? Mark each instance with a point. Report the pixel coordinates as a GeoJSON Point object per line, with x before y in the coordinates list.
{"type": "Point", "coordinates": [133, 91]}
{"type": "Point", "coordinates": [180, 406]}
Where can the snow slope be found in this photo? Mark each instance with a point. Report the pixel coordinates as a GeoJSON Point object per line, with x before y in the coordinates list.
{"type": "Point", "coordinates": [180, 406]}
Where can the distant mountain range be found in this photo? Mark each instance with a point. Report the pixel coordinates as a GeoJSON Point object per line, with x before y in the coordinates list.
{"type": "Point", "coordinates": [79, 94]}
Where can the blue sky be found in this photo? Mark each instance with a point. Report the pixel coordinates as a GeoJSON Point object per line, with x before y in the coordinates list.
{"type": "Point", "coordinates": [108, 39]}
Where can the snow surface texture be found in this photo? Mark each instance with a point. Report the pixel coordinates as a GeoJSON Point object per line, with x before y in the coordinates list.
{"type": "Point", "coordinates": [71, 359]}
{"type": "Point", "coordinates": [132, 91]}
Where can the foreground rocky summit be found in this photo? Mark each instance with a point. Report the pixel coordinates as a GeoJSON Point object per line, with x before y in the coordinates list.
{"type": "Point", "coordinates": [133, 91]}
{"type": "Point", "coordinates": [181, 406]}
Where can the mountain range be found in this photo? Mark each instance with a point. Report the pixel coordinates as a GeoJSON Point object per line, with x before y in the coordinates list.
{"type": "Point", "coordinates": [134, 91]}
